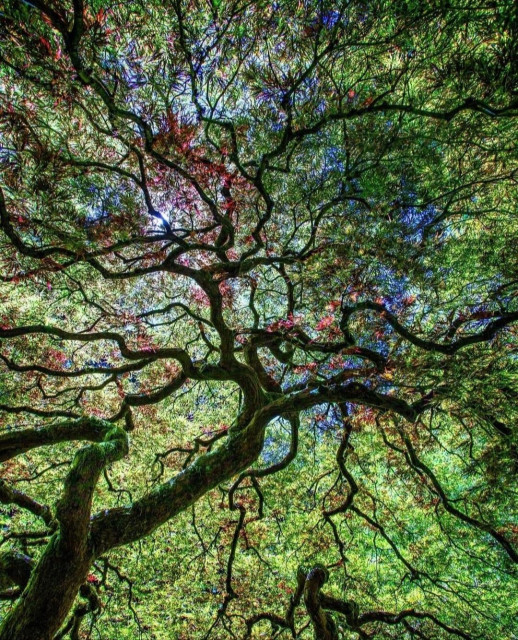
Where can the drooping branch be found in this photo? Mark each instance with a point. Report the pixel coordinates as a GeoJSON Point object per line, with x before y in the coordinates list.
{"type": "Point", "coordinates": [419, 465]}
{"type": "Point", "coordinates": [78, 373]}
{"type": "Point", "coordinates": [42, 413]}
{"type": "Point", "coordinates": [396, 618]}
{"type": "Point", "coordinates": [318, 605]}
{"type": "Point", "coordinates": [276, 467]}
{"type": "Point", "coordinates": [501, 321]}
{"type": "Point", "coordinates": [131, 354]}
{"type": "Point", "coordinates": [421, 468]}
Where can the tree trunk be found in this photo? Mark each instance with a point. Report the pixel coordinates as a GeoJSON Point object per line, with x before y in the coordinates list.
{"type": "Point", "coordinates": [64, 565]}
{"type": "Point", "coordinates": [50, 594]}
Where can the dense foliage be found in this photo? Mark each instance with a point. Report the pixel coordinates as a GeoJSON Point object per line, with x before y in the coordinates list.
{"type": "Point", "coordinates": [258, 319]}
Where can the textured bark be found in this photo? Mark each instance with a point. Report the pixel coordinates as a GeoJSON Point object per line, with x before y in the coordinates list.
{"type": "Point", "coordinates": [323, 624]}
{"type": "Point", "coordinates": [15, 569]}
{"type": "Point", "coordinates": [50, 593]}
{"type": "Point", "coordinates": [64, 565]}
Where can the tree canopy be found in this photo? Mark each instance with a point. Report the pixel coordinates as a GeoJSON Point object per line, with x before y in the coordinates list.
{"type": "Point", "coordinates": [258, 319]}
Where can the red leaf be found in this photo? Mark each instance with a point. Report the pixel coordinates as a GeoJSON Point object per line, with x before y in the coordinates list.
{"type": "Point", "coordinates": [324, 323]}
{"type": "Point", "coordinates": [46, 44]}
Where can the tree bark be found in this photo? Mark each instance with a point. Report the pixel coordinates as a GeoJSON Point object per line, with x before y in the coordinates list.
{"type": "Point", "coordinates": [323, 624]}
{"type": "Point", "coordinates": [50, 593]}
{"type": "Point", "coordinates": [63, 567]}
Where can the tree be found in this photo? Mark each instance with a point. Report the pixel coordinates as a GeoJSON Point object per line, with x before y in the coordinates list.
{"type": "Point", "coordinates": [263, 251]}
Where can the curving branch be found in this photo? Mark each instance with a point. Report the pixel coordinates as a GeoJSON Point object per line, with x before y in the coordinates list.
{"type": "Point", "coordinates": [421, 468]}
{"type": "Point", "coordinates": [14, 443]}
{"type": "Point", "coordinates": [502, 320]}
{"type": "Point", "coordinates": [253, 184]}
{"type": "Point", "coordinates": [68, 556]}
{"type": "Point", "coordinates": [9, 495]}
{"type": "Point", "coordinates": [318, 605]}
{"type": "Point", "coordinates": [15, 569]}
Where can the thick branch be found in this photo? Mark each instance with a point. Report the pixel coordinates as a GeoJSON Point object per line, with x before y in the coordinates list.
{"type": "Point", "coordinates": [9, 495]}
{"type": "Point", "coordinates": [14, 443]}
